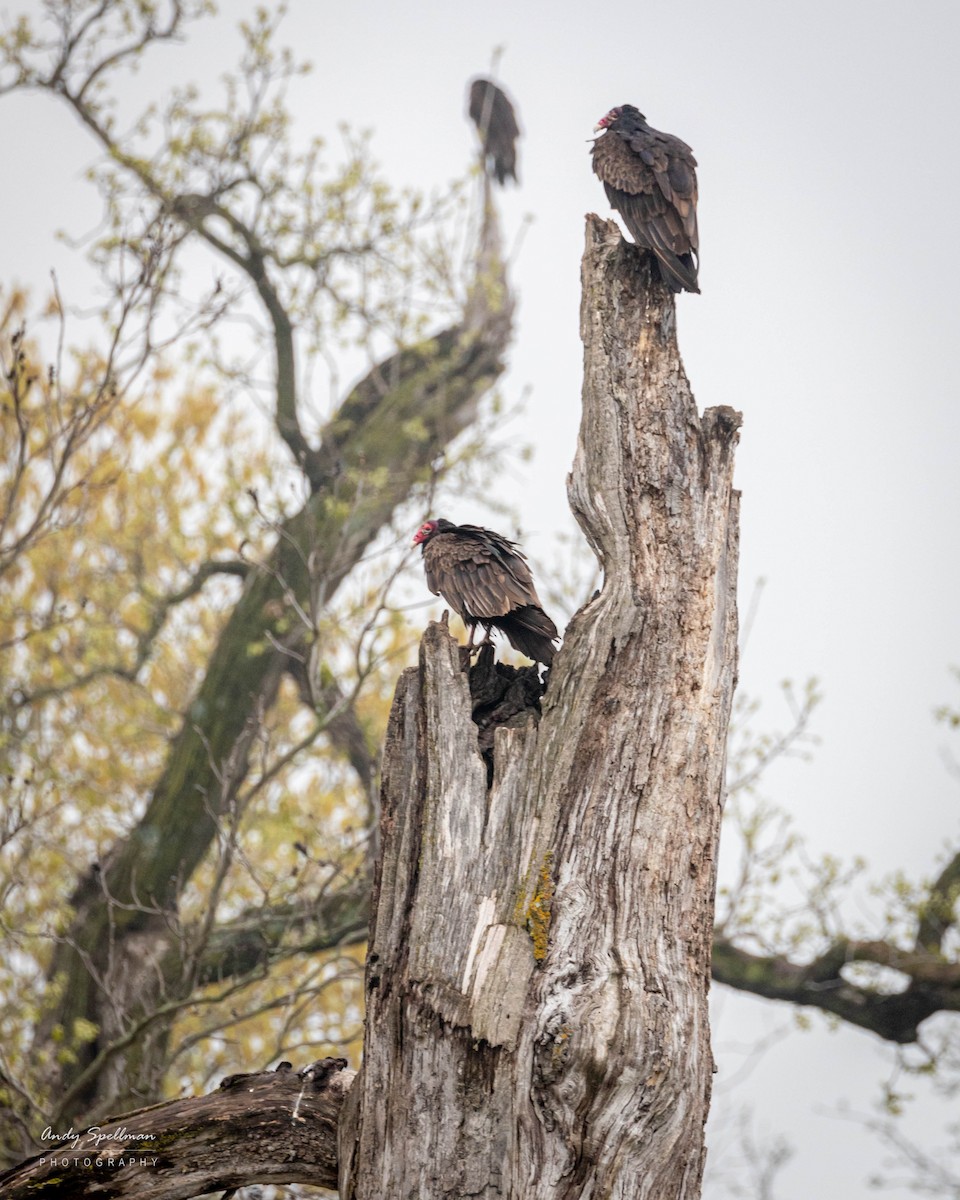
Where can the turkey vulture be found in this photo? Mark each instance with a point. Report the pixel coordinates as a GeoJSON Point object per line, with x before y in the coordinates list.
{"type": "Point", "coordinates": [496, 123]}
{"type": "Point", "coordinates": [486, 580]}
{"type": "Point", "coordinates": [650, 179]}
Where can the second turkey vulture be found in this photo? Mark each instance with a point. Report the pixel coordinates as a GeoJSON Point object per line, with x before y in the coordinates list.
{"type": "Point", "coordinates": [651, 180]}
{"type": "Point", "coordinates": [496, 122]}
{"type": "Point", "coordinates": [486, 580]}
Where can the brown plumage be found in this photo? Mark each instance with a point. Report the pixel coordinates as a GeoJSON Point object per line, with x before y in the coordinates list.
{"type": "Point", "coordinates": [650, 179]}
{"type": "Point", "coordinates": [496, 122]}
{"type": "Point", "coordinates": [486, 580]}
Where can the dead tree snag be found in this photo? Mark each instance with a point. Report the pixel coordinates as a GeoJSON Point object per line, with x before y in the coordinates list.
{"type": "Point", "coordinates": [540, 954]}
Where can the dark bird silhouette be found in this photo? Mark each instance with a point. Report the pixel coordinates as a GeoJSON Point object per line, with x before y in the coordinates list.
{"type": "Point", "coordinates": [496, 122]}
{"type": "Point", "coordinates": [486, 580]}
{"type": "Point", "coordinates": [650, 179]}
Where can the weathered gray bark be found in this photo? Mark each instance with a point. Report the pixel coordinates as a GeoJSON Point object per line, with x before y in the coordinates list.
{"type": "Point", "coordinates": [540, 957]}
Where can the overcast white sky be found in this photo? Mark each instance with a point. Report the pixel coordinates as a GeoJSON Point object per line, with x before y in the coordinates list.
{"type": "Point", "coordinates": [830, 184]}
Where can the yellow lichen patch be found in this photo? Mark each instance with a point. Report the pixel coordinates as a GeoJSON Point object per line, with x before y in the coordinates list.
{"type": "Point", "coordinates": [558, 1054]}
{"type": "Point", "coordinates": [538, 911]}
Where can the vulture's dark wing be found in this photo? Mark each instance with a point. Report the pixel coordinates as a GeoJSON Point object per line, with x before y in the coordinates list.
{"type": "Point", "coordinates": [479, 577]}
{"type": "Point", "coordinates": [492, 113]}
{"type": "Point", "coordinates": [650, 179]}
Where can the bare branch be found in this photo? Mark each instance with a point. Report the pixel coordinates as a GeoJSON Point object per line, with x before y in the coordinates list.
{"type": "Point", "coordinates": [934, 986]}
{"type": "Point", "coordinates": [336, 917]}
{"type": "Point", "coordinates": [268, 1128]}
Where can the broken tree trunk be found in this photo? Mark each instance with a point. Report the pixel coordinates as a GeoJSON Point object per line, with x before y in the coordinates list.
{"type": "Point", "coordinates": [540, 956]}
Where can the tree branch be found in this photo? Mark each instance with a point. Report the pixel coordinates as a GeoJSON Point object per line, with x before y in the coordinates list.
{"type": "Point", "coordinates": [935, 985]}
{"type": "Point", "coordinates": [336, 918]}
{"type": "Point", "coordinates": [343, 727]}
{"type": "Point", "coordinates": [939, 912]}
{"type": "Point", "coordinates": [194, 210]}
{"type": "Point", "coordinates": [162, 606]}
{"type": "Point", "coordinates": [268, 1128]}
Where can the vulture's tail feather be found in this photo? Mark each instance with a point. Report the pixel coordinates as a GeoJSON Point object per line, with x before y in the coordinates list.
{"type": "Point", "coordinates": [530, 631]}
{"type": "Point", "coordinates": [678, 271]}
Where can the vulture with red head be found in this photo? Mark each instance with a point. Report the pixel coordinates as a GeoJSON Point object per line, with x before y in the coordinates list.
{"type": "Point", "coordinates": [486, 580]}
{"type": "Point", "coordinates": [496, 122]}
{"type": "Point", "coordinates": [651, 180]}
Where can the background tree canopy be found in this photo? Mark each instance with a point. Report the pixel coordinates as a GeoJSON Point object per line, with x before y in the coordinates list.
{"type": "Point", "coordinates": [203, 605]}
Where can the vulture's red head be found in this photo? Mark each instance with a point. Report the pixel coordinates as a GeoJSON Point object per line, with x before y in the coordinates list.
{"type": "Point", "coordinates": [425, 532]}
{"type": "Point", "coordinates": [615, 114]}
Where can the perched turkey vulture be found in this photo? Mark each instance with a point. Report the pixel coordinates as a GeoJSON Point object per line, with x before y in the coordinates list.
{"type": "Point", "coordinates": [486, 580]}
{"type": "Point", "coordinates": [492, 113]}
{"type": "Point", "coordinates": [650, 179]}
